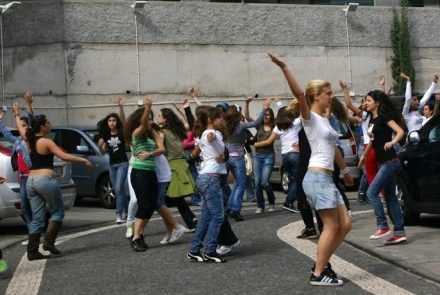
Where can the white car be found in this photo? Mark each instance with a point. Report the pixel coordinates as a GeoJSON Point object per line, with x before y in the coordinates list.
{"type": "Point", "coordinates": [10, 190]}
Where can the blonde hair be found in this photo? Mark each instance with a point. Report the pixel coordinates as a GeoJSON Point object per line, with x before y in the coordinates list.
{"type": "Point", "coordinates": [315, 87]}
{"type": "Point", "coordinates": [294, 107]}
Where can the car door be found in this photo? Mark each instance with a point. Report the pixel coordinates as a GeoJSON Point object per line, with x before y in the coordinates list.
{"type": "Point", "coordinates": [81, 175]}
{"type": "Point", "coordinates": [423, 163]}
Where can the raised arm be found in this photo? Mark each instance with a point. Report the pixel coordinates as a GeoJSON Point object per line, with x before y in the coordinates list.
{"type": "Point", "coordinates": [20, 128]}
{"type": "Point", "coordinates": [382, 83]}
{"type": "Point", "coordinates": [182, 115]}
{"type": "Point", "coordinates": [258, 121]}
{"type": "Point", "coordinates": [437, 104]}
{"type": "Point", "coordinates": [5, 130]}
{"type": "Point", "coordinates": [294, 87]}
{"type": "Point", "coordinates": [188, 113]}
{"type": "Point", "coordinates": [246, 109]}
{"type": "Point", "coordinates": [428, 92]}
{"type": "Point", "coordinates": [145, 120]}
{"type": "Point", "coordinates": [347, 98]}
{"type": "Point", "coordinates": [119, 101]}
{"type": "Point", "coordinates": [193, 93]}
{"type": "Point", "coordinates": [408, 94]}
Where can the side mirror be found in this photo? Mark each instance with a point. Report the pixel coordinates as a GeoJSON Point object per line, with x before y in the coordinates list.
{"type": "Point", "coordinates": [414, 137]}
{"type": "Point", "coordinates": [82, 149]}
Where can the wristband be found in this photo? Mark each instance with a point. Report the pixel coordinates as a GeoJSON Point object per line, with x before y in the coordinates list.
{"type": "Point", "coordinates": [344, 171]}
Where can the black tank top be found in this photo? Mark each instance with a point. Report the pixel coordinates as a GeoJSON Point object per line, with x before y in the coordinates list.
{"type": "Point", "coordinates": [40, 161]}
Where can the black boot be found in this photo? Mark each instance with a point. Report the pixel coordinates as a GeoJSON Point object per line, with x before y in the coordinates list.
{"type": "Point", "coordinates": [32, 248]}
{"type": "Point", "coordinates": [50, 236]}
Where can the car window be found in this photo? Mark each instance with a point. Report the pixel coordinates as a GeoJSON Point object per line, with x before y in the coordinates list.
{"type": "Point", "coordinates": [92, 134]}
{"type": "Point", "coordinates": [434, 134]}
{"type": "Point", "coordinates": [69, 140]}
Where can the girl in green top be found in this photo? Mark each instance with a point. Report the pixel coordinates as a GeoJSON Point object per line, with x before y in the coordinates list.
{"type": "Point", "coordinates": [145, 145]}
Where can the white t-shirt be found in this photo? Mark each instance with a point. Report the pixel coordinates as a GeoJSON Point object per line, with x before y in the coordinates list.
{"type": "Point", "coordinates": [210, 151]}
{"type": "Point", "coordinates": [289, 136]}
{"type": "Point", "coordinates": [163, 171]}
{"type": "Point", "coordinates": [364, 124]}
{"type": "Point", "coordinates": [322, 138]}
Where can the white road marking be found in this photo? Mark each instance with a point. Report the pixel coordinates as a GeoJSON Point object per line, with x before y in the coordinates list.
{"type": "Point", "coordinates": [358, 276]}
{"type": "Point", "coordinates": [27, 277]}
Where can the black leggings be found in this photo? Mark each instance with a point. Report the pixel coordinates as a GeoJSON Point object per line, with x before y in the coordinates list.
{"type": "Point", "coordinates": [184, 210]}
{"type": "Point", "coordinates": [144, 184]}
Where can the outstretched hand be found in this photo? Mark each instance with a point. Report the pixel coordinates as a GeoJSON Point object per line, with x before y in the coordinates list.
{"type": "Point", "coordinates": [119, 101]}
{"type": "Point", "coordinates": [275, 59]}
{"type": "Point", "coordinates": [193, 92]}
{"type": "Point", "coordinates": [28, 97]}
{"type": "Point", "coordinates": [405, 76]}
{"type": "Point", "coordinates": [266, 103]}
{"type": "Point", "coordinates": [15, 108]}
{"type": "Point", "coordinates": [148, 101]}
{"type": "Point", "coordinates": [435, 78]}
{"type": "Point", "coordinates": [2, 179]}
{"type": "Point", "coordinates": [343, 84]}
{"type": "Point", "coordinates": [185, 103]}
{"type": "Point", "coordinates": [382, 80]}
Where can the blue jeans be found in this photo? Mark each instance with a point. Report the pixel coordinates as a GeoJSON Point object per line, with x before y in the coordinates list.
{"type": "Point", "coordinates": [211, 219]}
{"type": "Point", "coordinates": [263, 166]}
{"type": "Point", "coordinates": [386, 179]}
{"type": "Point", "coordinates": [118, 176]}
{"type": "Point", "coordinates": [250, 189]}
{"type": "Point", "coordinates": [162, 188]}
{"type": "Point", "coordinates": [43, 191]}
{"type": "Point", "coordinates": [291, 163]}
{"type": "Point", "coordinates": [238, 168]}
{"type": "Point", "coordinates": [195, 198]}
{"type": "Point", "coordinates": [26, 211]}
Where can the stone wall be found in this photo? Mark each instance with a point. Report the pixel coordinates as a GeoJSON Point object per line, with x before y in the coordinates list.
{"type": "Point", "coordinates": [78, 55]}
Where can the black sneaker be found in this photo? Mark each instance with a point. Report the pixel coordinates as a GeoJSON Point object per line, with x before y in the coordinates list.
{"type": "Point", "coordinates": [139, 245]}
{"type": "Point", "coordinates": [214, 257]}
{"type": "Point", "coordinates": [307, 233]}
{"type": "Point", "coordinates": [290, 208]}
{"type": "Point", "coordinates": [237, 216]}
{"type": "Point", "coordinates": [328, 268]}
{"type": "Point", "coordinates": [196, 256]}
{"type": "Point", "coordinates": [325, 279]}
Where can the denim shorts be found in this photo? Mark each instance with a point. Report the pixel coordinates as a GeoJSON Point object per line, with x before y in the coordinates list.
{"type": "Point", "coordinates": [321, 191]}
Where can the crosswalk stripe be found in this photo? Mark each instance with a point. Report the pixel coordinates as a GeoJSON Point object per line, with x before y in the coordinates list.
{"type": "Point", "coordinates": [357, 275]}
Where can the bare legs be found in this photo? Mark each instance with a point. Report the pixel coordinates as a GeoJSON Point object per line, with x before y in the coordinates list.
{"type": "Point", "coordinates": [337, 224]}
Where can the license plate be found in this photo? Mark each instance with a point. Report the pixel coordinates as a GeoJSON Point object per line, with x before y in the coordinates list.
{"type": "Point", "coordinates": [58, 170]}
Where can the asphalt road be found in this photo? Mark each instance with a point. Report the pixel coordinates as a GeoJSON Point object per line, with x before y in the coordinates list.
{"type": "Point", "coordinates": [102, 262]}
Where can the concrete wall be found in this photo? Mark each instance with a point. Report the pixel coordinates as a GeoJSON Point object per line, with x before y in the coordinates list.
{"type": "Point", "coordinates": [77, 55]}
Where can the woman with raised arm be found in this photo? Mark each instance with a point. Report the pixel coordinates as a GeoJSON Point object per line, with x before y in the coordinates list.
{"type": "Point", "coordinates": [112, 141]}
{"type": "Point", "coordinates": [42, 188]}
{"type": "Point", "coordinates": [236, 129]}
{"type": "Point", "coordinates": [385, 131]}
{"type": "Point", "coordinates": [145, 144]}
{"type": "Point", "coordinates": [318, 183]}
{"type": "Point", "coordinates": [413, 106]}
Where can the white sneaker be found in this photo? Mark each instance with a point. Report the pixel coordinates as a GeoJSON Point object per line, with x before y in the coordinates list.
{"type": "Point", "coordinates": [259, 211]}
{"type": "Point", "coordinates": [119, 220]}
{"type": "Point", "coordinates": [129, 232]}
{"type": "Point", "coordinates": [177, 233]}
{"type": "Point", "coordinates": [223, 250]}
{"type": "Point", "coordinates": [271, 208]}
{"type": "Point", "coordinates": [24, 243]}
{"type": "Point", "coordinates": [166, 239]}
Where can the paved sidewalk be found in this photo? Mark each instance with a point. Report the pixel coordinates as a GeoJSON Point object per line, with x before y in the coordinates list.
{"type": "Point", "coordinates": [419, 255]}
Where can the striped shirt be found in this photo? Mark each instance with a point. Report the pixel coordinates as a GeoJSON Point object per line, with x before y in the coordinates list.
{"type": "Point", "coordinates": [139, 145]}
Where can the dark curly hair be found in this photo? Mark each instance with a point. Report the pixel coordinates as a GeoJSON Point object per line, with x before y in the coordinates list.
{"type": "Point", "coordinates": [387, 108]}
{"type": "Point", "coordinates": [173, 123]}
{"type": "Point", "coordinates": [102, 125]}
{"type": "Point", "coordinates": [133, 122]}
{"type": "Point", "coordinates": [232, 119]}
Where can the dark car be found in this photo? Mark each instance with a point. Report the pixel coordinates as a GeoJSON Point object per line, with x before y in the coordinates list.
{"type": "Point", "coordinates": [418, 185]}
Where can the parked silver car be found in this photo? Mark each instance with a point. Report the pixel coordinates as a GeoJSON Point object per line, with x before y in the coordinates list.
{"type": "Point", "coordinates": [10, 190]}
{"type": "Point", "coordinates": [348, 143]}
{"type": "Point", "coordinates": [82, 141]}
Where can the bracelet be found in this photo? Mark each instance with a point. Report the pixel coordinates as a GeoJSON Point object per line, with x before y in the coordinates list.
{"type": "Point", "coordinates": [344, 171]}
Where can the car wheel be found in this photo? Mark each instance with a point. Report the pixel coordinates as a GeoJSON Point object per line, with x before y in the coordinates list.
{"type": "Point", "coordinates": [104, 191]}
{"type": "Point", "coordinates": [285, 180]}
{"type": "Point", "coordinates": [410, 217]}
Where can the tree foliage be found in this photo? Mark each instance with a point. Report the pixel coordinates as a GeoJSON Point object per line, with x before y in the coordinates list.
{"type": "Point", "coordinates": [401, 46]}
